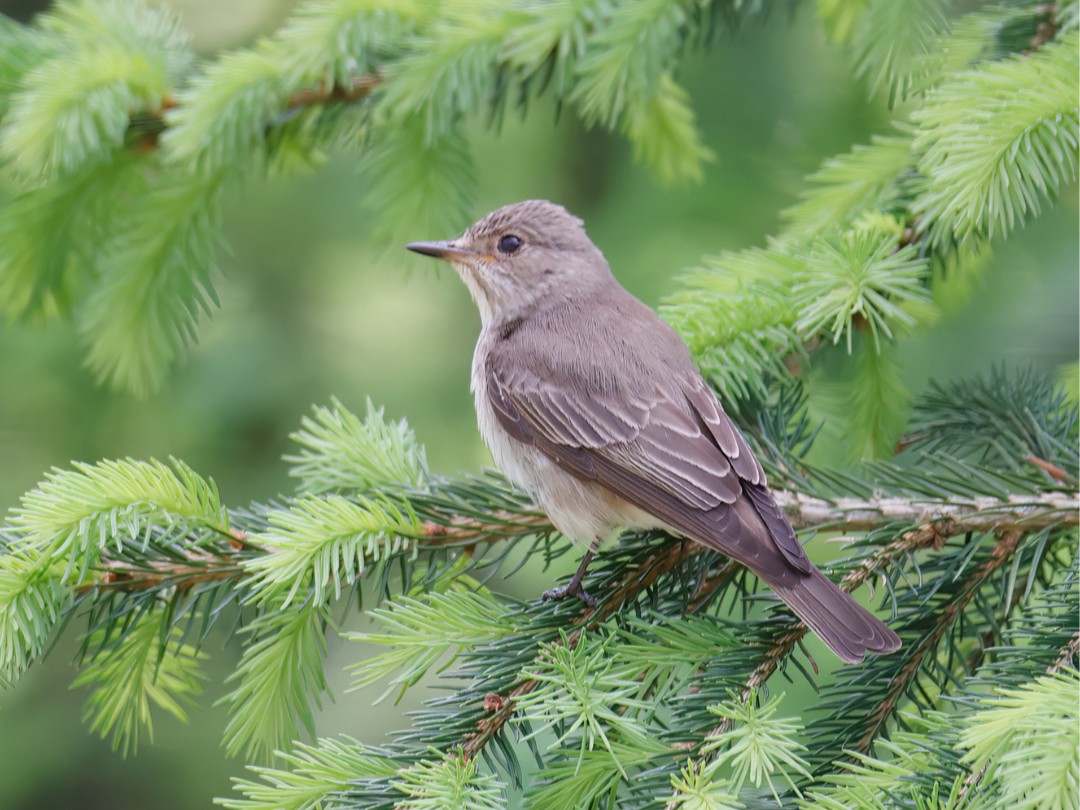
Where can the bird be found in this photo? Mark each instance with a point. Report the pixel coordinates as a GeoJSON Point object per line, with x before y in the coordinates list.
{"type": "Point", "coordinates": [593, 405]}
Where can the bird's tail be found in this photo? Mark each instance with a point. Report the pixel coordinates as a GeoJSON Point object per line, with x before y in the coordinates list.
{"type": "Point", "coordinates": [846, 627]}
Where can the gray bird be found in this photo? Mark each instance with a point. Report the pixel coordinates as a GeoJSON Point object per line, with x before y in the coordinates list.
{"type": "Point", "coordinates": [592, 404]}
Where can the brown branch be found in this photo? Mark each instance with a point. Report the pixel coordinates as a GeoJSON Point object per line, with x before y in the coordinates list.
{"type": "Point", "coordinates": [982, 514]}
{"type": "Point", "coordinates": [496, 526]}
{"type": "Point", "coordinates": [1068, 654]}
{"type": "Point", "coordinates": [931, 535]}
{"type": "Point", "coordinates": [1006, 545]}
{"type": "Point", "coordinates": [1052, 470]}
{"type": "Point", "coordinates": [121, 575]}
{"type": "Point", "coordinates": [632, 584]}
{"type": "Point", "coordinates": [938, 521]}
{"type": "Point", "coordinates": [146, 127]}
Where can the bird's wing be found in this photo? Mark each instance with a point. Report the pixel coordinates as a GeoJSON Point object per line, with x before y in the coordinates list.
{"type": "Point", "coordinates": [671, 451]}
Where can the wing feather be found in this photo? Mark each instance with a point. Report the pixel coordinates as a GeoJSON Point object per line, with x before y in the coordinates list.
{"type": "Point", "coordinates": [657, 437]}
{"type": "Point", "coordinates": [677, 455]}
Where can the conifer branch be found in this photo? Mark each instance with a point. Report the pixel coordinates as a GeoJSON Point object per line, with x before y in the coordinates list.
{"type": "Point", "coordinates": [146, 128]}
{"type": "Point", "coordinates": [930, 535]}
{"type": "Point", "coordinates": [936, 521]}
{"type": "Point", "coordinates": [633, 583]}
{"type": "Point", "coordinates": [1068, 656]}
{"type": "Point", "coordinates": [1007, 543]}
{"type": "Point", "coordinates": [948, 517]}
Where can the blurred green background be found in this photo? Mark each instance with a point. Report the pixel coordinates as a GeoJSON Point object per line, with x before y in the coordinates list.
{"type": "Point", "coordinates": [313, 307]}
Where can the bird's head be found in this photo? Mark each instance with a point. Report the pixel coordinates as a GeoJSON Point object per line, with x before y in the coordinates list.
{"type": "Point", "coordinates": [519, 256]}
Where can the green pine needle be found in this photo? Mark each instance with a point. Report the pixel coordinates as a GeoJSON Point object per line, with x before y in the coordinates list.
{"type": "Point", "coordinates": [324, 543]}
{"type": "Point", "coordinates": [903, 769]}
{"type": "Point", "coordinates": [224, 112]}
{"type": "Point", "coordinates": [418, 186]}
{"type": "Point", "coordinates": [998, 141]}
{"type": "Point", "coordinates": [341, 453]}
{"type": "Point", "coordinates": [454, 74]}
{"type": "Point", "coordinates": [49, 236]}
{"type": "Point", "coordinates": [278, 678]}
{"type": "Point", "coordinates": [588, 779]}
{"type": "Point", "coordinates": [892, 38]}
{"type": "Point", "coordinates": [554, 37]}
{"type": "Point", "coordinates": [882, 403]}
{"type": "Point", "coordinates": [32, 600]}
{"type": "Point", "coordinates": [627, 56]}
{"type": "Point", "coordinates": [74, 106]}
{"type": "Point", "coordinates": [21, 49]}
{"type": "Point", "coordinates": [758, 747]}
{"type": "Point", "coordinates": [846, 185]}
{"type": "Point", "coordinates": [314, 774]}
{"type": "Point", "coordinates": [862, 277]}
{"type": "Point", "coordinates": [661, 128]}
{"type": "Point", "coordinates": [421, 632]}
{"type": "Point", "coordinates": [583, 692]}
{"type": "Point", "coordinates": [329, 42]}
{"type": "Point", "coordinates": [73, 514]}
{"type": "Point", "coordinates": [154, 282]}
{"type": "Point", "coordinates": [1028, 740]}
{"type": "Point", "coordinates": [450, 783]}
{"type": "Point", "coordinates": [149, 666]}
{"type": "Point", "coordinates": [699, 789]}
{"type": "Point", "coordinates": [737, 317]}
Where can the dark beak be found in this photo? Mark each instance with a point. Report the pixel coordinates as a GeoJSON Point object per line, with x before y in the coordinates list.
{"type": "Point", "coordinates": [440, 250]}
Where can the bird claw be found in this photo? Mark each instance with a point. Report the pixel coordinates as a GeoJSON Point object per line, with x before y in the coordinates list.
{"type": "Point", "coordinates": [570, 589]}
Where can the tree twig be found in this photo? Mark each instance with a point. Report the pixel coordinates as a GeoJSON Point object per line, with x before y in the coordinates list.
{"type": "Point", "coordinates": [1068, 654]}
{"type": "Point", "coordinates": [1003, 549]}
{"type": "Point", "coordinates": [146, 127]}
{"type": "Point", "coordinates": [632, 584]}
{"type": "Point", "coordinates": [930, 535]}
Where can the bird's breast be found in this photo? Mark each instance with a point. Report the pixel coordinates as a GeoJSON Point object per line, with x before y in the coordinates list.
{"type": "Point", "coordinates": [582, 510]}
{"type": "Point", "coordinates": [519, 462]}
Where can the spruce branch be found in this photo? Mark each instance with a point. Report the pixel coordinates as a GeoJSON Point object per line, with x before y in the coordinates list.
{"type": "Point", "coordinates": [73, 107]}
{"type": "Point", "coordinates": [758, 745]}
{"type": "Point", "coordinates": [1070, 653]}
{"type": "Point", "coordinates": [151, 665]}
{"type": "Point", "coordinates": [997, 141]}
{"type": "Point", "coordinates": [145, 129]}
{"type": "Point", "coordinates": [1006, 544]}
{"type": "Point", "coordinates": [277, 680]}
{"type": "Point", "coordinates": [341, 453]}
{"type": "Point", "coordinates": [929, 535]}
{"type": "Point", "coordinates": [501, 708]}
{"type": "Point", "coordinates": [892, 38]}
{"type": "Point", "coordinates": [315, 774]}
{"type": "Point", "coordinates": [130, 577]}
{"type": "Point", "coordinates": [444, 528]}
{"type": "Point", "coordinates": [75, 514]}
{"type": "Point", "coordinates": [1026, 744]}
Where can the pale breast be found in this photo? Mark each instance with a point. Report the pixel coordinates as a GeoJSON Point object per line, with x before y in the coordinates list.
{"type": "Point", "coordinates": [582, 510]}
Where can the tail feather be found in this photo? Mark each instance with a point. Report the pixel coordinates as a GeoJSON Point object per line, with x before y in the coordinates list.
{"type": "Point", "coordinates": [750, 535]}
{"type": "Point", "coordinates": [846, 627]}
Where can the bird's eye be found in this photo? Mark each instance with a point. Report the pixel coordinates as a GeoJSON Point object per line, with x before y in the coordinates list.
{"type": "Point", "coordinates": [509, 244]}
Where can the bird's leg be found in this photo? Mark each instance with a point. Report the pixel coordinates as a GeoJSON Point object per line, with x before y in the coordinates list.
{"type": "Point", "coordinates": [573, 587]}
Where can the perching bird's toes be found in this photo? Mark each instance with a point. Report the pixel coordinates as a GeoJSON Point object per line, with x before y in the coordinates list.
{"type": "Point", "coordinates": [572, 588]}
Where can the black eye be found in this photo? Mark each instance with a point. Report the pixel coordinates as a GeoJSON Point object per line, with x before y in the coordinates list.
{"type": "Point", "coordinates": [509, 244]}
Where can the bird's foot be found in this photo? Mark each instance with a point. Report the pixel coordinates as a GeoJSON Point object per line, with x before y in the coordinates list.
{"type": "Point", "coordinates": [572, 588]}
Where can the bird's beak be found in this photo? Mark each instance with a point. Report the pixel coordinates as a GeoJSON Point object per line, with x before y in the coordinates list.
{"type": "Point", "coordinates": [441, 250]}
